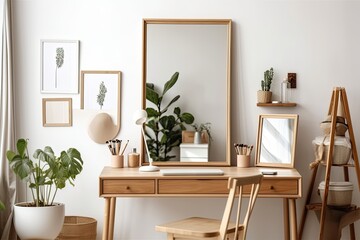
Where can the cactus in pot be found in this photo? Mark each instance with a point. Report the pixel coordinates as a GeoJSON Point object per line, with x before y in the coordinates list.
{"type": "Point", "coordinates": [268, 77]}
{"type": "Point", "coordinates": [264, 95]}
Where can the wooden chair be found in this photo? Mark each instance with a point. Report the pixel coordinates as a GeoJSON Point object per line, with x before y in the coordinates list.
{"type": "Point", "coordinates": [200, 228]}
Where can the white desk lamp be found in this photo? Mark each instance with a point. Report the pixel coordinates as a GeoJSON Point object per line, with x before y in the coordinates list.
{"type": "Point", "coordinates": [140, 118]}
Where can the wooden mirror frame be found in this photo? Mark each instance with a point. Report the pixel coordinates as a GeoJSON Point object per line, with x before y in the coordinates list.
{"type": "Point", "coordinates": [294, 117]}
{"type": "Point", "coordinates": [227, 23]}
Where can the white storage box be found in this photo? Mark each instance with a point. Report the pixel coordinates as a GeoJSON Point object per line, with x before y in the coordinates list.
{"type": "Point", "coordinates": [342, 148]}
{"type": "Point", "coordinates": [190, 152]}
{"type": "Point", "coordinates": [340, 193]}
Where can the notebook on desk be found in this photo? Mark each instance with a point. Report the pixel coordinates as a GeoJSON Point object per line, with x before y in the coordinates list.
{"type": "Point", "coordinates": [191, 171]}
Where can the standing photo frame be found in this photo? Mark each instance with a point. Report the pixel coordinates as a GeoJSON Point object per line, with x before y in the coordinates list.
{"type": "Point", "coordinates": [57, 112]}
{"type": "Point", "coordinates": [60, 66]}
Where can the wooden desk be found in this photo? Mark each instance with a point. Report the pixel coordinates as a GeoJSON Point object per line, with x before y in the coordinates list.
{"type": "Point", "coordinates": [129, 182]}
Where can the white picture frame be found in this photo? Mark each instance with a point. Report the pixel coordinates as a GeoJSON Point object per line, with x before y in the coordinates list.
{"type": "Point", "coordinates": [57, 112]}
{"type": "Point", "coordinates": [59, 66]}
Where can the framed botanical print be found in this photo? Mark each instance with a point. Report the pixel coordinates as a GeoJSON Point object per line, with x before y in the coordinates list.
{"type": "Point", "coordinates": [59, 66]}
{"type": "Point", "coordinates": [100, 91]}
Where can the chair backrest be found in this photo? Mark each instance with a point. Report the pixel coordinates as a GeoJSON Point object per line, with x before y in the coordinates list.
{"type": "Point", "coordinates": [236, 186]}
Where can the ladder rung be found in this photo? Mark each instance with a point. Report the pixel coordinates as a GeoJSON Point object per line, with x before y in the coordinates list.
{"type": "Point", "coordinates": [317, 207]}
{"type": "Point", "coordinates": [339, 165]}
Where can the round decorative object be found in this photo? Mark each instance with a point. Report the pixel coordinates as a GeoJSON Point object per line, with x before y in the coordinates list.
{"type": "Point", "coordinates": [102, 128]}
{"type": "Point", "coordinates": [38, 222]}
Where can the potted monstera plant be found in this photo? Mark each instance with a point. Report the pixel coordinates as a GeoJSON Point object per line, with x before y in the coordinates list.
{"type": "Point", "coordinates": [45, 174]}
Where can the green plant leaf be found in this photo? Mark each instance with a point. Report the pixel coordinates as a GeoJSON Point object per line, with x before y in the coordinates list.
{"type": "Point", "coordinates": [177, 111]}
{"type": "Point", "coordinates": [167, 122]}
{"type": "Point", "coordinates": [2, 206]}
{"type": "Point", "coordinates": [152, 96]}
{"type": "Point", "coordinates": [21, 146]}
{"type": "Point", "coordinates": [151, 112]}
{"type": "Point", "coordinates": [45, 155]}
{"type": "Point", "coordinates": [10, 155]}
{"type": "Point", "coordinates": [21, 166]}
{"type": "Point", "coordinates": [170, 83]}
{"type": "Point", "coordinates": [188, 118]}
{"type": "Point", "coordinates": [150, 85]}
{"type": "Point", "coordinates": [171, 102]}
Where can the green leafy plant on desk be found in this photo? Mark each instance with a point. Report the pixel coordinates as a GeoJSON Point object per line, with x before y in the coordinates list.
{"type": "Point", "coordinates": [163, 130]}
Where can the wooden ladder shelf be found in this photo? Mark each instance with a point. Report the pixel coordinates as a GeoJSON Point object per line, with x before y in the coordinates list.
{"type": "Point", "coordinates": [341, 217]}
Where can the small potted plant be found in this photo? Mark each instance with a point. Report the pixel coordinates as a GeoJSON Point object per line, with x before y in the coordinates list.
{"type": "Point", "coordinates": [199, 129]}
{"type": "Point", "coordinates": [45, 176]}
{"type": "Point", "coordinates": [264, 95]}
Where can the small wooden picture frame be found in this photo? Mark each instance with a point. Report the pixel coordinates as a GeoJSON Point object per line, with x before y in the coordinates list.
{"type": "Point", "coordinates": [188, 137]}
{"type": "Point", "coordinates": [57, 112]}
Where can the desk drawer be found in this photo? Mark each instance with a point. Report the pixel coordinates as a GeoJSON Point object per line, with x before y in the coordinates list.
{"type": "Point", "coordinates": [279, 186]}
{"type": "Point", "coordinates": [193, 186]}
{"type": "Point", "coordinates": [116, 186]}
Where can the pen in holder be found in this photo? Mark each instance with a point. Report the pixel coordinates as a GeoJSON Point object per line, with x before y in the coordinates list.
{"type": "Point", "coordinates": [117, 154]}
{"type": "Point", "coordinates": [243, 153]}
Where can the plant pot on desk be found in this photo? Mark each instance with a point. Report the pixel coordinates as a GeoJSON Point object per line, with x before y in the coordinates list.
{"type": "Point", "coordinates": [264, 96]}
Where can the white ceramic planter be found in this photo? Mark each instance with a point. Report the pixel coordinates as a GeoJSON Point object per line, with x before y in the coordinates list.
{"type": "Point", "coordinates": [38, 222]}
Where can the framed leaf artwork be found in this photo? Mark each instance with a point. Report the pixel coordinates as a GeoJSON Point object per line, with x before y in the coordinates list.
{"type": "Point", "coordinates": [59, 66]}
{"type": "Point", "coordinates": [100, 92]}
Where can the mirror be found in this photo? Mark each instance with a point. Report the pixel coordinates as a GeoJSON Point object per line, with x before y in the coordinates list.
{"type": "Point", "coordinates": [200, 51]}
{"type": "Point", "coordinates": [276, 140]}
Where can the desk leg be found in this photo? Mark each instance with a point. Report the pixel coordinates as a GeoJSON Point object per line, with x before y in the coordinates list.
{"type": "Point", "coordinates": [293, 225]}
{"type": "Point", "coordinates": [112, 217]}
{"type": "Point", "coordinates": [109, 218]}
{"type": "Point", "coordinates": [286, 219]}
{"type": "Point", "coordinates": [106, 219]}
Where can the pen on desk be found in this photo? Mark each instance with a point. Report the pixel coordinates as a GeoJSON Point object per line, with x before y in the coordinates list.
{"type": "Point", "coordinates": [122, 152]}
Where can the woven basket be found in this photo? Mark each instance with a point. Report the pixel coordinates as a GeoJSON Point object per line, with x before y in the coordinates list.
{"type": "Point", "coordinates": [264, 96]}
{"type": "Point", "coordinates": [76, 227]}
{"type": "Point", "coordinates": [342, 149]}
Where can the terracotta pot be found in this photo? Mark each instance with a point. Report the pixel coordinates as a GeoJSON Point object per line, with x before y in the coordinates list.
{"type": "Point", "coordinates": [264, 96]}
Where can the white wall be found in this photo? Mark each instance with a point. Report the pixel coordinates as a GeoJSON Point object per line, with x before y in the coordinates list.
{"type": "Point", "coordinates": [319, 40]}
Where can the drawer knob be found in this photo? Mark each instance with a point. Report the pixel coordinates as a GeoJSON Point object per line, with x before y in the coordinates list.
{"type": "Point", "coordinates": [272, 187]}
{"type": "Point", "coordinates": [127, 188]}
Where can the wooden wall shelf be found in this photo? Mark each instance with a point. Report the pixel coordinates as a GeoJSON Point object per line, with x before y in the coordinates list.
{"type": "Point", "coordinates": [276, 104]}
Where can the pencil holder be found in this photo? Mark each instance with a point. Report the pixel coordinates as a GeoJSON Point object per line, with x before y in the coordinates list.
{"type": "Point", "coordinates": [117, 161]}
{"type": "Point", "coordinates": [243, 161]}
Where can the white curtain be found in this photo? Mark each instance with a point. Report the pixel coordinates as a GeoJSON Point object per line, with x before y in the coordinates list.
{"type": "Point", "coordinates": [7, 125]}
